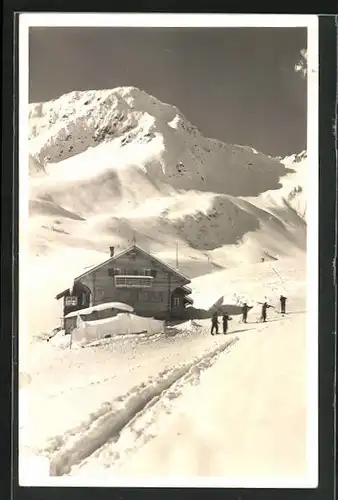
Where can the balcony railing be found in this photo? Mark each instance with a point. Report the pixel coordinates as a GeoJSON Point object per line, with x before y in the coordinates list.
{"type": "Point", "coordinates": [131, 281]}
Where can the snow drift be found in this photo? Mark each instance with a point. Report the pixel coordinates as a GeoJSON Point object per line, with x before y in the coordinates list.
{"type": "Point", "coordinates": [111, 307]}
{"type": "Point", "coordinates": [122, 324]}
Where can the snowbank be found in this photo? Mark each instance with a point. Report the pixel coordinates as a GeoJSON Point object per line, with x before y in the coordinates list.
{"type": "Point", "coordinates": [122, 324]}
{"type": "Point", "coordinates": [60, 339]}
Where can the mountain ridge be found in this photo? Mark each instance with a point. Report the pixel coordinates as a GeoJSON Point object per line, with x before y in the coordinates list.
{"type": "Point", "coordinates": [140, 165]}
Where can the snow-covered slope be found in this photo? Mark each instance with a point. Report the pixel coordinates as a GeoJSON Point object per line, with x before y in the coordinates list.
{"type": "Point", "coordinates": [113, 134]}
{"type": "Point", "coordinates": [295, 184]}
{"type": "Point", "coordinates": [110, 165]}
{"type": "Point", "coordinates": [178, 406]}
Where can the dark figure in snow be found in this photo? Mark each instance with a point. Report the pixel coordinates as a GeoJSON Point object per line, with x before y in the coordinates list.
{"type": "Point", "coordinates": [282, 304]}
{"type": "Point", "coordinates": [245, 310]}
{"type": "Point", "coordinates": [225, 320]}
{"type": "Point", "coordinates": [265, 306]}
{"type": "Point", "coordinates": [214, 323]}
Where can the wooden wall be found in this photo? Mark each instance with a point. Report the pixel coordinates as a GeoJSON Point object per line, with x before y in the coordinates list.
{"type": "Point", "coordinates": [156, 298]}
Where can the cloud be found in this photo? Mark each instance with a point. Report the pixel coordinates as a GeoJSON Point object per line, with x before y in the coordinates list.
{"type": "Point", "coordinates": [301, 65]}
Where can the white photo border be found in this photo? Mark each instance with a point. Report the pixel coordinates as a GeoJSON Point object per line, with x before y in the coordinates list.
{"type": "Point", "coordinates": [27, 20]}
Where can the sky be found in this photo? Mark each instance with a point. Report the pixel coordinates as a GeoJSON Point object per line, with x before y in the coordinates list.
{"type": "Point", "coordinates": [237, 85]}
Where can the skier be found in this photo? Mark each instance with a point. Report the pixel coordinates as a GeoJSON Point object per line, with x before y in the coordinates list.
{"type": "Point", "coordinates": [214, 323]}
{"type": "Point", "coordinates": [226, 318]}
{"type": "Point", "coordinates": [245, 310]}
{"type": "Point", "coordinates": [282, 304]}
{"type": "Point", "coordinates": [265, 306]}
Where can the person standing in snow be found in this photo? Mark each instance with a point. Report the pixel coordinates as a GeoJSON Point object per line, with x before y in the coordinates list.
{"type": "Point", "coordinates": [265, 306]}
{"type": "Point", "coordinates": [214, 323]}
{"type": "Point", "coordinates": [282, 304]}
{"type": "Point", "coordinates": [226, 318]}
{"type": "Point", "coordinates": [245, 310]}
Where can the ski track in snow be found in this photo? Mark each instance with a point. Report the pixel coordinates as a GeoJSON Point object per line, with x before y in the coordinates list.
{"type": "Point", "coordinates": [149, 422]}
{"type": "Point", "coordinates": [108, 422]}
{"type": "Point", "coordinates": [148, 384]}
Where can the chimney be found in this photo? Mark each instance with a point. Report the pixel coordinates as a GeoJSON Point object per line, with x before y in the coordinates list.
{"type": "Point", "coordinates": [112, 251]}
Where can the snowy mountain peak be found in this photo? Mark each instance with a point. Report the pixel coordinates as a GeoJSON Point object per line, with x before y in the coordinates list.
{"type": "Point", "coordinates": [125, 128]}
{"type": "Point", "coordinates": [79, 120]}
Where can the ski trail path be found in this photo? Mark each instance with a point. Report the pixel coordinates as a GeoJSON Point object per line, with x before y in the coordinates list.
{"type": "Point", "coordinates": [87, 384]}
{"type": "Point", "coordinates": [110, 420]}
{"type": "Point", "coordinates": [246, 416]}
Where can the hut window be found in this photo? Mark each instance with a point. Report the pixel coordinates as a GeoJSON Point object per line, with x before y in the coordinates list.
{"type": "Point", "coordinates": [147, 272]}
{"type": "Point", "coordinates": [153, 273]}
{"type": "Point", "coordinates": [71, 301]}
{"type": "Point", "coordinates": [176, 301]}
{"type": "Point", "coordinates": [132, 255]}
{"type": "Point", "coordinates": [113, 272]}
{"type": "Point", "coordinates": [151, 296]}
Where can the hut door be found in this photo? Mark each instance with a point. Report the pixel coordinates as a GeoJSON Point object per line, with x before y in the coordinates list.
{"type": "Point", "coordinates": [85, 298]}
{"type": "Point", "coordinates": [134, 297]}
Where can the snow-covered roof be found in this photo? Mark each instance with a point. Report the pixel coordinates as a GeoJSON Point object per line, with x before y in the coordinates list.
{"type": "Point", "coordinates": [101, 307]}
{"type": "Point", "coordinates": [124, 252]}
{"type": "Point", "coordinates": [63, 293]}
